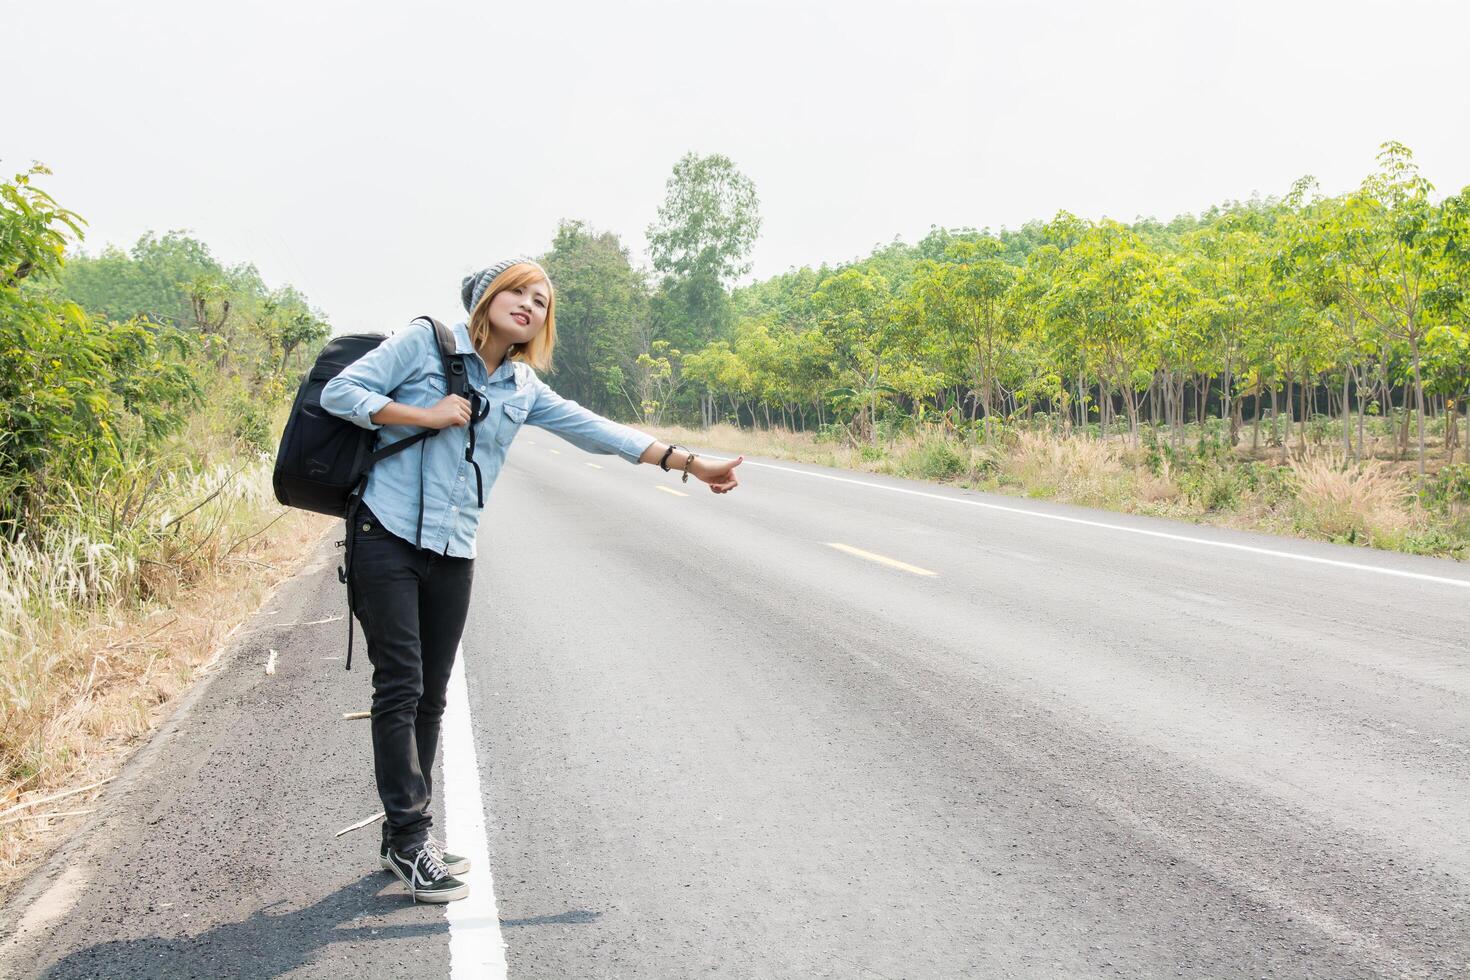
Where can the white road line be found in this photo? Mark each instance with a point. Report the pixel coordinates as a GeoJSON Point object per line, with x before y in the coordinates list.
{"type": "Point", "coordinates": [1355, 566]}
{"type": "Point", "coordinates": [1014, 555]}
{"type": "Point", "coordinates": [1197, 597]}
{"type": "Point", "coordinates": [476, 947]}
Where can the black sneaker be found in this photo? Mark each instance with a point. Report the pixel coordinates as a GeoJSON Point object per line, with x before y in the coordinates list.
{"type": "Point", "coordinates": [453, 862]}
{"type": "Point", "coordinates": [425, 875]}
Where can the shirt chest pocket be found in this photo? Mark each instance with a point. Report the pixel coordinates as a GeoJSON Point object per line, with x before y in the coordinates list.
{"type": "Point", "coordinates": [424, 390]}
{"type": "Point", "coordinates": [512, 416]}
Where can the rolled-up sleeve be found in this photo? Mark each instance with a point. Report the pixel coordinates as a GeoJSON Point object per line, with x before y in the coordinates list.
{"type": "Point", "coordinates": [363, 387]}
{"type": "Point", "coordinates": [584, 428]}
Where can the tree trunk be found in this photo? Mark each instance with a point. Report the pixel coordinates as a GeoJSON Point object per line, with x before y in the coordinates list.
{"type": "Point", "coordinates": [1256, 424]}
{"type": "Point", "coordinates": [1130, 404]}
{"type": "Point", "coordinates": [1403, 437]}
{"type": "Point", "coordinates": [1306, 393]}
{"type": "Point", "coordinates": [1418, 399]}
{"type": "Point", "coordinates": [1237, 420]}
{"type": "Point", "coordinates": [1226, 408]}
{"type": "Point", "coordinates": [1290, 416]}
{"type": "Point", "coordinates": [1275, 417]}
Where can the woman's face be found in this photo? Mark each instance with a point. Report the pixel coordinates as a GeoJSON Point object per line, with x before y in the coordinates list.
{"type": "Point", "coordinates": [518, 314]}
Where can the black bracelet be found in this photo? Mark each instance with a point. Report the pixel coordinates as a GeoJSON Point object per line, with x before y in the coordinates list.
{"type": "Point", "coordinates": [662, 463]}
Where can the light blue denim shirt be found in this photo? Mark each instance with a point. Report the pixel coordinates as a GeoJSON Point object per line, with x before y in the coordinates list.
{"type": "Point", "coordinates": [406, 368]}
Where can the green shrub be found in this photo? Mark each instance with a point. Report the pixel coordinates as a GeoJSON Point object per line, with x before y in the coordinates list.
{"type": "Point", "coordinates": [77, 393]}
{"type": "Point", "coordinates": [936, 459]}
{"type": "Point", "coordinates": [253, 425]}
{"type": "Point", "coordinates": [830, 432]}
{"type": "Point", "coordinates": [1213, 485]}
{"type": "Point", "coordinates": [1447, 489]}
{"type": "Point", "coordinates": [1434, 541]}
{"type": "Point", "coordinates": [890, 426]}
{"type": "Point", "coordinates": [1322, 428]}
{"type": "Point", "coordinates": [1271, 482]}
{"type": "Point", "coordinates": [986, 462]}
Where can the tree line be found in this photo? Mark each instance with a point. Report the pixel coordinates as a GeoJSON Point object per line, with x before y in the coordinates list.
{"type": "Point", "coordinates": [104, 357]}
{"type": "Point", "coordinates": [1284, 311]}
{"type": "Point", "coordinates": [1251, 321]}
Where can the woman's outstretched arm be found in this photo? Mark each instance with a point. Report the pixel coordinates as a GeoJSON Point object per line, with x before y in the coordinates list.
{"type": "Point", "coordinates": [718, 473]}
{"type": "Point", "coordinates": [587, 430]}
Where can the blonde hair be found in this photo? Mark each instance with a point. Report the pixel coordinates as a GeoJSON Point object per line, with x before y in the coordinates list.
{"type": "Point", "coordinates": [537, 352]}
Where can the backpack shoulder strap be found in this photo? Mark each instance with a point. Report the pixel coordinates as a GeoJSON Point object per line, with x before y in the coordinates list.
{"type": "Point", "coordinates": [455, 372]}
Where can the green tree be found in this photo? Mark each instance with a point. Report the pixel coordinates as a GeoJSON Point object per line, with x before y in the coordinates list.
{"type": "Point", "coordinates": [861, 317]}
{"type": "Point", "coordinates": [1448, 342]}
{"type": "Point", "coordinates": [599, 299]}
{"type": "Point", "coordinates": [1385, 231]}
{"type": "Point", "coordinates": [962, 298]}
{"type": "Point", "coordinates": [699, 244]}
{"type": "Point", "coordinates": [77, 392]}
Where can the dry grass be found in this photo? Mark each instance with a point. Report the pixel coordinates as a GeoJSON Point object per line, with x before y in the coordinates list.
{"type": "Point", "coordinates": [1339, 499]}
{"type": "Point", "coordinates": [1078, 470]}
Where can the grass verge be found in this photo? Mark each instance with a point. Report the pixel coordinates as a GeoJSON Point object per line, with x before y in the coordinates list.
{"type": "Point", "coordinates": [1315, 493]}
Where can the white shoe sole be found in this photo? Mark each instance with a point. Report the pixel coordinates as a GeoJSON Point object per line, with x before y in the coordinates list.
{"type": "Point", "coordinates": [442, 898]}
{"type": "Point", "coordinates": [457, 868]}
{"type": "Point", "coordinates": [433, 897]}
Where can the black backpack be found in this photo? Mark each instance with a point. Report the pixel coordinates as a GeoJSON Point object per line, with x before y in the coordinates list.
{"type": "Point", "coordinates": [324, 461]}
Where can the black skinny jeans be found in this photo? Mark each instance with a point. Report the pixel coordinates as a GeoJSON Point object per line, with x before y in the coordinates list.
{"type": "Point", "coordinates": [412, 605]}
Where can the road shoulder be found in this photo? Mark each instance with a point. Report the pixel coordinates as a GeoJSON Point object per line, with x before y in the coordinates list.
{"type": "Point", "coordinates": [213, 851]}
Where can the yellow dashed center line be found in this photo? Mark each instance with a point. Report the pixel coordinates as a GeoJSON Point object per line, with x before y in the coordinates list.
{"type": "Point", "coordinates": [894, 562]}
{"type": "Point", "coordinates": [677, 493]}
{"type": "Point", "coordinates": [557, 451]}
{"type": "Point", "coordinates": [594, 466]}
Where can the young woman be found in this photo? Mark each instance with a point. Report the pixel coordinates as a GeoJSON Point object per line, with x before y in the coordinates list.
{"type": "Point", "coordinates": [412, 568]}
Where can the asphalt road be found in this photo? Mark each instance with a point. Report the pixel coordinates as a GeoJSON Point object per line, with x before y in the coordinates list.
{"type": "Point", "coordinates": [729, 736]}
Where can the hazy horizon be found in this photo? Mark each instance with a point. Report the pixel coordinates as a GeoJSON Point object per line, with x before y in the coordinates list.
{"type": "Point", "coordinates": [327, 146]}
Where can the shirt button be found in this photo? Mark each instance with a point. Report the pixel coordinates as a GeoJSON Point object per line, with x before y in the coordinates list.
{"type": "Point", "coordinates": [461, 478]}
{"type": "Point", "coordinates": [455, 509]}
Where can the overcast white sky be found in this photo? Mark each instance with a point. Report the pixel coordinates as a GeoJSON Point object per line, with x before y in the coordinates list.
{"type": "Point", "coordinates": [372, 154]}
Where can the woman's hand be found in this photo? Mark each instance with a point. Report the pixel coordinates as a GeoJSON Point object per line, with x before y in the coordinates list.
{"type": "Point", "coordinates": [451, 410]}
{"type": "Point", "coordinates": [718, 473]}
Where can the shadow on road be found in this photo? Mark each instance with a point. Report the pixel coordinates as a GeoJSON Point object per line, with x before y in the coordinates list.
{"type": "Point", "coordinates": [263, 945]}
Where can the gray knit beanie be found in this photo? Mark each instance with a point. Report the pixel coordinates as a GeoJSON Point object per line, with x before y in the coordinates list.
{"type": "Point", "coordinates": [474, 286]}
